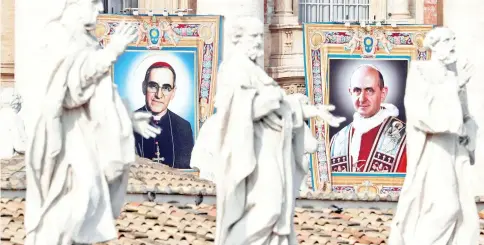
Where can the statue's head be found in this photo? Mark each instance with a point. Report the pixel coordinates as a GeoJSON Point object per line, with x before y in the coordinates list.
{"type": "Point", "coordinates": [247, 37]}
{"type": "Point", "coordinates": [441, 41]}
{"type": "Point", "coordinates": [8, 98]}
{"type": "Point", "coordinates": [83, 12]}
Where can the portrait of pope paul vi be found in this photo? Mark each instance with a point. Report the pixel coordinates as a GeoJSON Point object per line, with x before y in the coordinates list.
{"type": "Point", "coordinates": [173, 146]}
{"type": "Point", "coordinates": [375, 141]}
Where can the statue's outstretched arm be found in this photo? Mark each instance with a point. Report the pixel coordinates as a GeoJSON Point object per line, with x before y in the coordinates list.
{"type": "Point", "coordinates": [321, 111]}
{"type": "Point", "coordinates": [100, 61]}
{"type": "Point", "coordinates": [324, 113]}
{"type": "Point", "coordinates": [141, 123]}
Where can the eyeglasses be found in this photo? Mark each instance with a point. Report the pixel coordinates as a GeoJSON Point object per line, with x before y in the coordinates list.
{"type": "Point", "coordinates": [154, 88]}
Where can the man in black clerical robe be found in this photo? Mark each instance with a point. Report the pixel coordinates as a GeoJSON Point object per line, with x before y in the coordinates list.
{"type": "Point", "coordinates": [175, 142]}
{"type": "Point", "coordinates": [173, 146]}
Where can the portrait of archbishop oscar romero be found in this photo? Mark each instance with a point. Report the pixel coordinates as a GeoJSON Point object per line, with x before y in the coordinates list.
{"type": "Point", "coordinates": [173, 146]}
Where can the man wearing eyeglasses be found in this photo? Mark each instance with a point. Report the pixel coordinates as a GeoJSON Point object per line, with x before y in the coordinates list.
{"type": "Point", "coordinates": [173, 146]}
{"type": "Point", "coordinates": [376, 139]}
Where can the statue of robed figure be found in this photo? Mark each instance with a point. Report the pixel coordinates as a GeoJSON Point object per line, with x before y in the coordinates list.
{"type": "Point", "coordinates": [256, 142]}
{"type": "Point", "coordinates": [80, 133]}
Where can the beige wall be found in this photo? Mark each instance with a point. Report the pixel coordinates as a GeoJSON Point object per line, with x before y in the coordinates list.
{"type": "Point", "coordinates": [283, 54]}
{"type": "Point", "coordinates": [7, 49]}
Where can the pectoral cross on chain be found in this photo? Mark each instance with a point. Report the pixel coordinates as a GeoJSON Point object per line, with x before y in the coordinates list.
{"type": "Point", "coordinates": [157, 158]}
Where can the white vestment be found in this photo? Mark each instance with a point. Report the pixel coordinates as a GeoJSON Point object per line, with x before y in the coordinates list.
{"type": "Point", "coordinates": [436, 205]}
{"type": "Point", "coordinates": [259, 169]}
{"type": "Point", "coordinates": [80, 145]}
{"type": "Point", "coordinates": [362, 125]}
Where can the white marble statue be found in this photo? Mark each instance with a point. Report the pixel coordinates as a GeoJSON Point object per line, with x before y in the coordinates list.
{"type": "Point", "coordinates": [258, 144]}
{"type": "Point", "coordinates": [437, 205]}
{"type": "Point", "coordinates": [80, 142]}
{"type": "Point", "coordinates": [12, 130]}
{"type": "Point", "coordinates": [203, 156]}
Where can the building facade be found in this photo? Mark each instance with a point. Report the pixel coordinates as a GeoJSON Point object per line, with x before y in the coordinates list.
{"type": "Point", "coordinates": [283, 56]}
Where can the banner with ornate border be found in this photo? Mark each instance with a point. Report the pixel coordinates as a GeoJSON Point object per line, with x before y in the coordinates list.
{"type": "Point", "coordinates": [190, 44]}
{"type": "Point", "coordinates": [341, 49]}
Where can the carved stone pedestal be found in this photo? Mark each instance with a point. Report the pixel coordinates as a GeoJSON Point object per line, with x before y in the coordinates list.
{"type": "Point", "coordinates": [283, 19]}
{"type": "Point", "coordinates": [287, 59]}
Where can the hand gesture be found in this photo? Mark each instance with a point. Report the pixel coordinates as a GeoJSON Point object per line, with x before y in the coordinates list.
{"type": "Point", "coordinates": [325, 115]}
{"type": "Point", "coordinates": [124, 34]}
{"type": "Point", "coordinates": [142, 126]}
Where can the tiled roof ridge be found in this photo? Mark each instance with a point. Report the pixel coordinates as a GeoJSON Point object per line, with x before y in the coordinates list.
{"type": "Point", "coordinates": [148, 176]}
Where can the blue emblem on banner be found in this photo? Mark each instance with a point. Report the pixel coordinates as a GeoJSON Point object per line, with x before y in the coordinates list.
{"type": "Point", "coordinates": [368, 43]}
{"type": "Point", "coordinates": [154, 35]}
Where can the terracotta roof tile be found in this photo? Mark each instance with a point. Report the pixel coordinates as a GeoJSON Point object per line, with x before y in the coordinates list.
{"type": "Point", "coordinates": [148, 176]}
{"type": "Point", "coordinates": [172, 223]}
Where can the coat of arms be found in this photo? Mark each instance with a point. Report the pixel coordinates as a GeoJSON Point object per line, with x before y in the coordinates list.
{"type": "Point", "coordinates": [368, 46]}
{"type": "Point", "coordinates": [369, 41]}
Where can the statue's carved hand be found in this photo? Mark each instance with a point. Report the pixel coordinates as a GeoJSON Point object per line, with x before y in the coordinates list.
{"type": "Point", "coordinates": [325, 115]}
{"type": "Point", "coordinates": [123, 35]}
{"type": "Point", "coordinates": [142, 126]}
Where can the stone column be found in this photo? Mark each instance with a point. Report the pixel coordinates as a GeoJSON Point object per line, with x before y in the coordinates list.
{"type": "Point", "coordinates": [283, 12]}
{"type": "Point", "coordinates": [283, 7]}
{"type": "Point", "coordinates": [378, 8]}
{"type": "Point", "coordinates": [231, 10]}
{"type": "Point", "coordinates": [399, 9]}
{"type": "Point", "coordinates": [465, 19]}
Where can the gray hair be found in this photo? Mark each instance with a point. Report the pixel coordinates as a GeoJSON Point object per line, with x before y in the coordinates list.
{"type": "Point", "coordinates": [435, 35]}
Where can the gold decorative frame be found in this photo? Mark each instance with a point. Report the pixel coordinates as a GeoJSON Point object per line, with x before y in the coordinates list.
{"type": "Point", "coordinates": [200, 32]}
{"type": "Point", "coordinates": [370, 42]}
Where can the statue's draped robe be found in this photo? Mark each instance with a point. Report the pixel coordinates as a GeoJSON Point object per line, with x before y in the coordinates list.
{"type": "Point", "coordinates": [259, 169]}
{"type": "Point", "coordinates": [436, 205]}
{"type": "Point", "coordinates": [380, 145]}
{"type": "Point", "coordinates": [79, 148]}
{"type": "Point", "coordinates": [204, 153]}
{"type": "Point", "coordinates": [12, 133]}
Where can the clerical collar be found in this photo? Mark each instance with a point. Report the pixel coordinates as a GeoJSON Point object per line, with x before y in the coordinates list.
{"type": "Point", "coordinates": [362, 125]}
{"type": "Point", "coordinates": [158, 118]}
{"type": "Point", "coordinates": [365, 124]}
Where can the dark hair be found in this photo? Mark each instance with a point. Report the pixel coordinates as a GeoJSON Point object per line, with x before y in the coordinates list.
{"type": "Point", "coordinates": [382, 81]}
{"type": "Point", "coordinates": [157, 65]}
